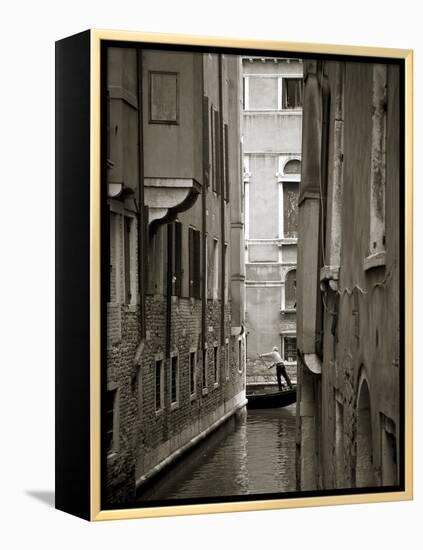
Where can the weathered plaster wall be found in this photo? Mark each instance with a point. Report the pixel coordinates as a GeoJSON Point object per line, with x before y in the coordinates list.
{"type": "Point", "coordinates": [267, 134]}
{"type": "Point", "coordinates": [361, 309]}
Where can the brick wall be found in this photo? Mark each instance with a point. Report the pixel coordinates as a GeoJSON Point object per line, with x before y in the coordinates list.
{"type": "Point", "coordinates": [158, 432]}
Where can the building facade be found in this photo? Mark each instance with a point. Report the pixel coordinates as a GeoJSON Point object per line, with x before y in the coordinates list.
{"type": "Point", "coordinates": [272, 97]}
{"type": "Point", "coordinates": [175, 336]}
{"type": "Point", "coordinates": [348, 318]}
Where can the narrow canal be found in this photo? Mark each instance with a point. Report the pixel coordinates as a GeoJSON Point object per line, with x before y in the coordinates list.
{"type": "Point", "coordinates": [252, 453]}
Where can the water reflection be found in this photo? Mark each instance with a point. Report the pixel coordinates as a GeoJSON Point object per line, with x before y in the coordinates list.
{"type": "Point", "coordinates": [251, 454]}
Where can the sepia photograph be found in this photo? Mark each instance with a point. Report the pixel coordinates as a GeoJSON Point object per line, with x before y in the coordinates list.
{"type": "Point", "coordinates": [252, 275]}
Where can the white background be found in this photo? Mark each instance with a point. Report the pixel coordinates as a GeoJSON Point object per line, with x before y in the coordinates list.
{"type": "Point", "coordinates": [27, 36]}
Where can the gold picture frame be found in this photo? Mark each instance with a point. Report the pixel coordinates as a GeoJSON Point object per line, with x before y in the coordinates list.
{"type": "Point", "coordinates": [92, 509]}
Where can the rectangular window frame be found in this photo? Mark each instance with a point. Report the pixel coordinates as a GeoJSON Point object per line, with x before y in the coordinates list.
{"type": "Point", "coordinates": [283, 178]}
{"type": "Point", "coordinates": [177, 270]}
{"type": "Point", "coordinates": [226, 274]}
{"type": "Point", "coordinates": [216, 270]}
{"type": "Point", "coordinates": [112, 442]}
{"type": "Point", "coordinates": [284, 83]}
{"type": "Point", "coordinates": [115, 260]}
{"type": "Point", "coordinates": [174, 362]}
{"type": "Point", "coordinates": [216, 364]}
{"type": "Point", "coordinates": [159, 403]}
{"type": "Point", "coordinates": [207, 156]}
{"type": "Point", "coordinates": [227, 359]}
{"type": "Point", "coordinates": [339, 440]}
{"type": "Point", "coordinates": [193, 373]}
{"type": "Point", "coordinates": [226, 179]}
{"type": "Point", "coordinates": [205, 371]}
{"type": "Point", "coordinates": [247, 82]}
{"type": "Point", "coordinates": [240, 365]}
{"type": "Point", "coordinates": [290, 335]}
{"type": "Point", "coordinates": [152, 119]}
{"type": "Point", "coordinates": [194, 245]}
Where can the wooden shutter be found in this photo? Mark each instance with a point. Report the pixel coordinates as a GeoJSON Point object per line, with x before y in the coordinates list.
{"type": "Point", "coordinates": [191, 261]}
{"type": "Point", "coordinates": [226, 161]}
{"type": "Point", "coordinates": [218, 152]}
{"type": "Point", "coordinates": [206, 141]}
{"type": "Point", "coordinates": [197, 265]}
{"type": "Point", "coordinates": [126, 253]}
{"type": "Point", "coordinates": [144, 252]}
{"type": "Point", "coordinates": [177, 259]}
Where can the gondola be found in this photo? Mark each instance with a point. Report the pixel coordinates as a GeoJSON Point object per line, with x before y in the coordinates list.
{"type": "Point", "coordinates": [265, 397]}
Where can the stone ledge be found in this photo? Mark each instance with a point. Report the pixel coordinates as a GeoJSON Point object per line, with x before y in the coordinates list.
{"type": "Point", "coordinates": [237, 402]}
{"type": "Point", "coordinates": [374, 260]}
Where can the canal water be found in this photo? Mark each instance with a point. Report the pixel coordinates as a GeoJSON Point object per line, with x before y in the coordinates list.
{"type": "Point", "coordinates": [251, 453]}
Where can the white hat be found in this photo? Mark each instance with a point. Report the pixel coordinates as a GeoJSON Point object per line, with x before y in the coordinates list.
{"type": "Point", "coordinates": [275, 348]}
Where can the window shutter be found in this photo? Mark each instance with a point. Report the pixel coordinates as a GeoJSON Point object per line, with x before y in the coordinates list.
{"type": "Point", "coordinates": [206, 141]}
{"type": "Point", "coordinates": [213, 147]}
{"type": "Point", "coordinates": [126, 253]}
{"type": "Point", "coordinates": [218, 152]}
{"type": "Point", "coordinates": [177, 262]}
{"type": "Point", "coordinates": [143, 258]}
{"type": "Point", "coordinates": [191, 261]}
{"type": "Point", "coordinates": [197, 265]}
{"type": "Point", "coordinates": [226, 160]}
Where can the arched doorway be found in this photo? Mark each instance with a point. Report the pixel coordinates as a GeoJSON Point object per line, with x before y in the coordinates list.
{"type": "Point", "coordinates": [364, 465]}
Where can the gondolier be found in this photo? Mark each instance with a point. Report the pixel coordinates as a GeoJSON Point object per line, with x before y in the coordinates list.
{"type": "Point", "coordinates": [280, 367]}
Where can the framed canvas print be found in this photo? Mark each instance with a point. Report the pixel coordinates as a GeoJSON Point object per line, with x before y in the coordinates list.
{"type": "Point", "coordinates": [233, 275]}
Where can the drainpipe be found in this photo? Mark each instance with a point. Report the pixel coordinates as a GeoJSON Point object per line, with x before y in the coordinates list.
{"type": "Point", "coordinates": [142, 212]}
{"type": "Point", "coordinates": [222, 209]}
{"type": "Point", "coordinates": [204, 187]}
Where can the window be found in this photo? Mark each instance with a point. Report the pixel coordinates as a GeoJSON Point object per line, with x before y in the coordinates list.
{"type": "Point", "coordinates": [206, 266]}
{"type": "Point", "coordinates": [292, 93]}
{"type": "Point", "coordinates": [226, 161]}
{"type": "Point", "coordinates": [227, 359]}
{"type": "Point", "coordinates": [159, 394]}
{"type": "Point", "coordinates": [290, 209]}
{"type": "Point", "coordinates": [244, 94]}
{"type": "Point", "coordinates": [292, 167]}
{"type": "Point", "coordinates": [216, 363]}
{"type": "Point", "coordinates": [262, 93]}
{"type": "Point", "coordinates": [213, 148]}
{"type": "Point", "coordinates": [206, 140]}
{"type": "Point", "coordinates": [339, 443]}
{"type": "Point", "coordinates": [204, 370]}
{"type": "Point", "coordinates": [215, 269]}
{"type": "Point", "coordinates": [192, 370]}
{"type": "Point", "coordinates": [175, 244]}
{"type": "Point", "coordinates": [216, 151]}
{"type": "Point", "coordinates": [240, 362]}
{"type": "Point", "coordinates": [129, 259]}
{"type": "Point", "coordinates": [157, 260]}
{"type": "Point", "coordinates": [114, 269]}
{"type": "Point", "coordinates": [163, 97]}
{"type": "Point", "coordinates": [110, 421]}
{"type": "Point", "coordinates": [290, 289]}
{"type": "Point", "coordinates": [226, 281]}
{"type": "Point", "coordinates": [194, 264]}
{"type": "Point", "coordinates": [174, 379]}
{"type": "Point", "coordinates": [127, 256]}
{"type": "Point", "coordinates": [289, 349]}
{"type": "Point", "coordinates": [246, 179]}
{"type": "Point", "coordinates": [389, 451]}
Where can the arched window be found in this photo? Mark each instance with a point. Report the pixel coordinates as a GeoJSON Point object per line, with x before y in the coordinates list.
{"type": "Point", "coordinates": [290, 289]}
{"type": "Point", "coordinates": [292, 167]}
{"type": "Point", "coordinates": [388, 451]}
{"type": "Point", "coordinates": [364, 465]}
